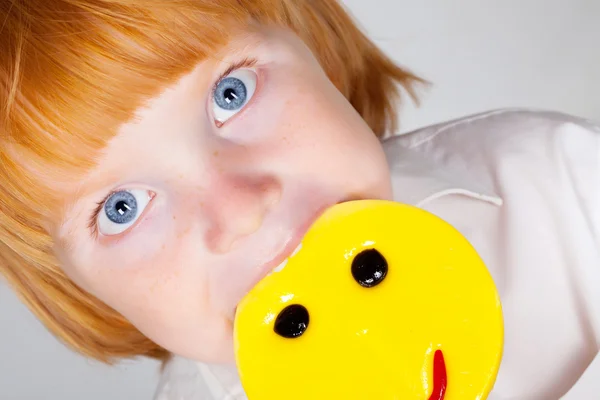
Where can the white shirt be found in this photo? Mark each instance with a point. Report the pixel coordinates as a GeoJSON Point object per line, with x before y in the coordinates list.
{"type": "Point", "coordinates": [524, 188]}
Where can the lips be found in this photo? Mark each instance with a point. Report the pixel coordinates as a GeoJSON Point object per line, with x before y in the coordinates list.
{"type": "Point", "coordinates": [440, 378]}
{"type": "Point", "coordinates": [292, 245]}
{"type": "Point", "coordinates": [278, 262]}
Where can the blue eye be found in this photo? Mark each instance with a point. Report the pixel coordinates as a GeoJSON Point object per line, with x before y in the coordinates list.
{"type": "Point", "coordinates": [232, 93]}
{"type": "Point", "coordinates": [121, 207]}
{"type": "Point", "coordinates": [121, 210]}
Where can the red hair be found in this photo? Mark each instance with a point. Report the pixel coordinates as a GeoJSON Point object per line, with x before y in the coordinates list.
{"type": "Point", "coordinates": [72, 71]}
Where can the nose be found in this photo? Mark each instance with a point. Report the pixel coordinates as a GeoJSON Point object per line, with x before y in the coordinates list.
{"type": "Point", "coordinates": [237, 208]}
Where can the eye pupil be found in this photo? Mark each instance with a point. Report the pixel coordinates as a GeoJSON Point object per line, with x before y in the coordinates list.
{"type": "Point", "coordinates": [292, 321]}
{"type": "Point", "coordinates": [369, 268]}
{"type": "Point", "coordinates": [230, 95]}
{"type": "Point", "coordinates": [122, 207]}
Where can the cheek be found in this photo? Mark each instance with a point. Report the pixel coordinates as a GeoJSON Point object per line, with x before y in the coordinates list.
{"type": "Point", "coordinates": [151, 290]}
{"type": "Point", "coordinates": [303, 117]}
{"type": "Point", "coordinates": [163, 289]}
{"type": "Point", "coordinates": [144, 281]}
{"type": "Point", "coordinates": [146, 269]}
{"type": "Point", "coordinates": [302, 107]}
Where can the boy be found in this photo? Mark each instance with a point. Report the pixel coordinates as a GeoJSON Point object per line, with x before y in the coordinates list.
{"type": "Point", "coordinates": [159, 158]}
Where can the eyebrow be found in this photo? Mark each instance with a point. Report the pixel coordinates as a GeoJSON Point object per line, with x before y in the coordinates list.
{"type": "Point", "coordinates": [237, 48]}
{"type": "Point", "coordinates": [66, 229]}
{"type": "Point", "coordinates": [244, 63]}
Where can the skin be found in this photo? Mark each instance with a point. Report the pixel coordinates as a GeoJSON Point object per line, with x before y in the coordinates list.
{"type": "Point", "coordinates": [227, 202]}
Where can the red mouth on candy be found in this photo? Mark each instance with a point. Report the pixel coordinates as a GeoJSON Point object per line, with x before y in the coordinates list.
{"type": "Point", "coordinates": [440, 378]}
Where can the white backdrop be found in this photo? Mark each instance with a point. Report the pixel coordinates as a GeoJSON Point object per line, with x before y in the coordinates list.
{"type": "Point", "coordinates": [480, 54]}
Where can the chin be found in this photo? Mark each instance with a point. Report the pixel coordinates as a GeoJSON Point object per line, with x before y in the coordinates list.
{"type": "Point", "coordinates": [221, 352]}
{"type": "Point", "coordinates": [212, 345]}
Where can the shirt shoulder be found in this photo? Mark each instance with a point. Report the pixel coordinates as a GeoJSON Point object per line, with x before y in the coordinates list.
{"type": "Point", "coordinates": [508, 150]}
{"type": "Point", "coordinates": [499, 127]}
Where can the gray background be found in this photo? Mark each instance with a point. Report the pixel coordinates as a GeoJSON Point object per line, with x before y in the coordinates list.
{"type": "Point", "coordinates": [479, 54]}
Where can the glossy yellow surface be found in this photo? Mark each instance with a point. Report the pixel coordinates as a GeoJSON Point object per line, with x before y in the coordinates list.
{"type": "Point", "coordinates": [374, 343]}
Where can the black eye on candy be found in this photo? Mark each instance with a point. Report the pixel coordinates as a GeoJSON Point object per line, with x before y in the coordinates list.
{"type": "Point", "coordinates": [369, 268]}
{"type": "Point", "coordinates": [292, 321]}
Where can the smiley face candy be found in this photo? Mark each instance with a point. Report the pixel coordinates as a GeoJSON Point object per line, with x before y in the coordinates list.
{"type": "Point", "coordinates": [382, 301]}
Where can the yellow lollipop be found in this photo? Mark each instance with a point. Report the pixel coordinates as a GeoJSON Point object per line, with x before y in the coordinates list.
{"type": "Point", "coordinates": [383, 301]}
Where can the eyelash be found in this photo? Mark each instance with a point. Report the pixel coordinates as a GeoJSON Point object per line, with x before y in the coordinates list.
{"type": "Point", "coordinates": [93, 222]}
{"type": "Point", "coordinates": [245, 63]}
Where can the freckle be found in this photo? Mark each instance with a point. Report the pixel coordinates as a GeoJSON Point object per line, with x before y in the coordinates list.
{"type": "Point", "coordinates": [174, 217]}
{"type": "Point", "coordinates": [180, 176]}
{"type": "Point", "coordinates": [183, 233]}
{"type": "Point", "coordinates": [216, 153]}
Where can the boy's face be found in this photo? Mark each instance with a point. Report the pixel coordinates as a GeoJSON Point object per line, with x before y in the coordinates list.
{"type": "Point", "coordinates": [214, 185]}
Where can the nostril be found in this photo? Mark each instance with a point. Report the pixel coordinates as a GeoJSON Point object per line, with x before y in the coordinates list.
{"type": "Point", "coordinates": [292, 321]}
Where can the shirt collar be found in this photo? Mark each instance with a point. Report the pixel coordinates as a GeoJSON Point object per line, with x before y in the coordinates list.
{"type": "Point", "coordinates": [419, 176]}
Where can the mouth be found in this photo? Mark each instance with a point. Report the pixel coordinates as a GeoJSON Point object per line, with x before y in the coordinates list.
{"type": "Point", "coordinates": [285, 261]}
{"type": "Point", "coordinates": [293, 245]}
{"type": "Point", "coordinates": [289, 249]}
{"type": "Point", "coordinates": [440, 377]}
